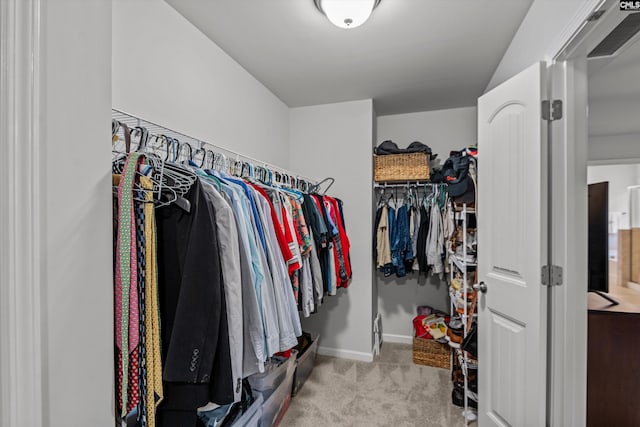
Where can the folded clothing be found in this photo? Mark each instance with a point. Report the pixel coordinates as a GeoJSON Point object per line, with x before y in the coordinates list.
{"type": "Point", "coordinates": [433, 326]}
{"type": "Point", "coordinates": [390, 147]}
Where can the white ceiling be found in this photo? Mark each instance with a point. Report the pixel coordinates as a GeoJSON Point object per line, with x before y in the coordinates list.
{"type": "Point", "coordinates": [412, 55]}
{"type": "Point", "coordinates": [614, 92]}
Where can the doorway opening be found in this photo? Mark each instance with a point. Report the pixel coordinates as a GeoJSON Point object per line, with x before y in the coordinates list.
{"type": "Point", "coordinates": [599, 143]}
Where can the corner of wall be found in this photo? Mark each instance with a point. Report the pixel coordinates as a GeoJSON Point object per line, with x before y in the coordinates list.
{"type": "Point", "coordinates": [335, 140]}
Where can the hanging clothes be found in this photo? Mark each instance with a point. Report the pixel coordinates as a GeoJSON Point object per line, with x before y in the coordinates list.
{"type": "Point", "coordinates": [229, 254]}
{"type": "Point", "coordinates": [193, 310]}
{"type": "Point", "coordinates": [410, 234]}
{"type": "Point", "coordinates": [401, 250]}
{"type": "Point", "coordinates": [210, 276]}
{"type": "Point", "coordinates": [383, 238]}
{"type": "Point", "coordinates": [126, 301]}
{"type": "Point", "coordinates": [421, 243]}
{"type": "Point", "coordinates": [414, 229]}
{"type": "Point", "coordinates": [436, 237]}
{"type": "Point", "coordinates": [153, 359]}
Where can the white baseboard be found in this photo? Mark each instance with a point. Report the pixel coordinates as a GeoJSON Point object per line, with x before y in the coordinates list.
{"type": "Point", "coordinates": [399, 339]}
{"type": "Point", "coordinates": [346, 354]}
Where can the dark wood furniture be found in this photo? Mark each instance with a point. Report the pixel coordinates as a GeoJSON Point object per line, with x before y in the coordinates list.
{"type": "Point", "coordinates": [613, 364]}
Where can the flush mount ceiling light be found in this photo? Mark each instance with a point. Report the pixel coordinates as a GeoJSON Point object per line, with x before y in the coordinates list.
{"type": "Point", "coordinates": [347, 13]}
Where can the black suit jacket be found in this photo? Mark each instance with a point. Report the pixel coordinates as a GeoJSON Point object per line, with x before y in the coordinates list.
{"type": "Point", "coordinates": [195, 336]}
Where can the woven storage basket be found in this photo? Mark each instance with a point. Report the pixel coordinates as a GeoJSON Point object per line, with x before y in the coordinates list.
{"type": "Point", "coordinates": [431, 353]}
{"type": "Point", "coordinates": [401, 167]}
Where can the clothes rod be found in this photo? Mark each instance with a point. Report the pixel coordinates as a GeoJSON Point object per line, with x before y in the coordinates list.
{"type": "Point", "coordinates": [407, 184]}
{"type": "Point", "coordinates": [133, 121]}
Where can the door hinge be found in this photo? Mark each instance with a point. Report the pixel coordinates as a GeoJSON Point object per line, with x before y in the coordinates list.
{"type": "Point", "coordinates": [552, 110]}
{"type": "Point", "coordinates": [551, 275]}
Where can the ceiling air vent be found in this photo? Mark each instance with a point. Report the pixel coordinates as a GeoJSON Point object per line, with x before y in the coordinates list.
{"type": "Point", "coordinates": [618, 37]}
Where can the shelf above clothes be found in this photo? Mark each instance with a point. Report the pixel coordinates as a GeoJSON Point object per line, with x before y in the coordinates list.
{"type": "Point", "coordinates": [406, 184]}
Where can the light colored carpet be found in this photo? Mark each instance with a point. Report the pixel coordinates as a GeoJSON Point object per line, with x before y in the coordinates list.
{"type": "Point", "coordinates": [391, 391]}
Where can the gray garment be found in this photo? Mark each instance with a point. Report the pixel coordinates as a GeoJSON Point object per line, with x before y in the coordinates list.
{"type": "Point", "coordinates": [415, 215]}
{"type": "Point", "coordinates": [232, 280]}
{"type": "Point", "coordinates": [448, 230]}
{"type": "Point", "coordinates": [254, 352]}
{"type": "Point", "coordinates": [435, 241]}
{"type": "Point", "coordinates": [316, 273]}
{"type": "Point", "coordinates": [306, 287]}
{"type": "Point", "coordinates": [280, 280]}
{"type": "Point", "coordinates": [332, 268]}
{"type": "Point", "coordinates": [252, 320]}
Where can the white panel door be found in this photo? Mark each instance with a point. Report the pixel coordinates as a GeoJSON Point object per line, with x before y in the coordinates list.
{"type": "Point", "coordinates": [512, 224]}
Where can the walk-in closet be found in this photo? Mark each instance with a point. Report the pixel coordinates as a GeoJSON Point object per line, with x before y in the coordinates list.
{"type": "Point", "coordinates": [317, 212]}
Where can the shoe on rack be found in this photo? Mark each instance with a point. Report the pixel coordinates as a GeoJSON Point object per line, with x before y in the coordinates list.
{"type": "Point", "coordinates": [457, 397]}
{"type": "Point", "coordinates": [472, 403]}
{"type": "Point", "coordinates": [455, 331]}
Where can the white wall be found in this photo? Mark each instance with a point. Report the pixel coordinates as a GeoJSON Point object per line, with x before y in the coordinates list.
{"type": "Point", "coordinates": [617, 115]}
{"type": "Point", "coordinates": [614, 148]}
{"type": "Point", "coordinates": [165, 70]}
{"type": "Point", "coordinates": [614, 105]}
{"type": "Point", "coordinates": [537, 37]}
{"type": "Point", "coordinates": [335, 140]}
{"type": "Point", "coordinates": [443, 131]}
{"type": "Point", "coordinates": [619, 177]}
{"type": "Point", "coordinates": [77, 276]}
{"type": "Point", "coordinates": [614, 108]}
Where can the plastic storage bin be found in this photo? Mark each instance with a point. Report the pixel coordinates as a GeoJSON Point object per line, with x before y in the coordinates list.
{"type": "Point", "coordinates": [268, 381]}
{"type": "Point", "coordinates": [304, 365]}
{"type": "Point", "coordinates": [251, 418]}
{"type": "Point", "coordinates": [276, 405]}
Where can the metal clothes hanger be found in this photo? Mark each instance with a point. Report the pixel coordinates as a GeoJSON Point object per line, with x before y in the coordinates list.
{"type": "Point", "coordinates": [187, 150]}
{"type": "Point", "coordinates": [143, 138]}
{"type": "Point", "coordinates": [316, 187]}
{"type": "Point", "coordinates": [199, 151]}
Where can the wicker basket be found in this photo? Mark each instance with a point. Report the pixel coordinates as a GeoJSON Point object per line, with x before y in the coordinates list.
{"type": "Point", "coordinates": [431, 353]}
{"type": "Point", "coordinates": [401, 167]}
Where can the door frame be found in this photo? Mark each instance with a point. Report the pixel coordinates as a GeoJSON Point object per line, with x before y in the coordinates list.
{"type": "Point", "coordinates": [50, 304]}
{"type": "Point", "coordinates": [21, 215]}
{"type": "Point", "coordinates": [567, 374]}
